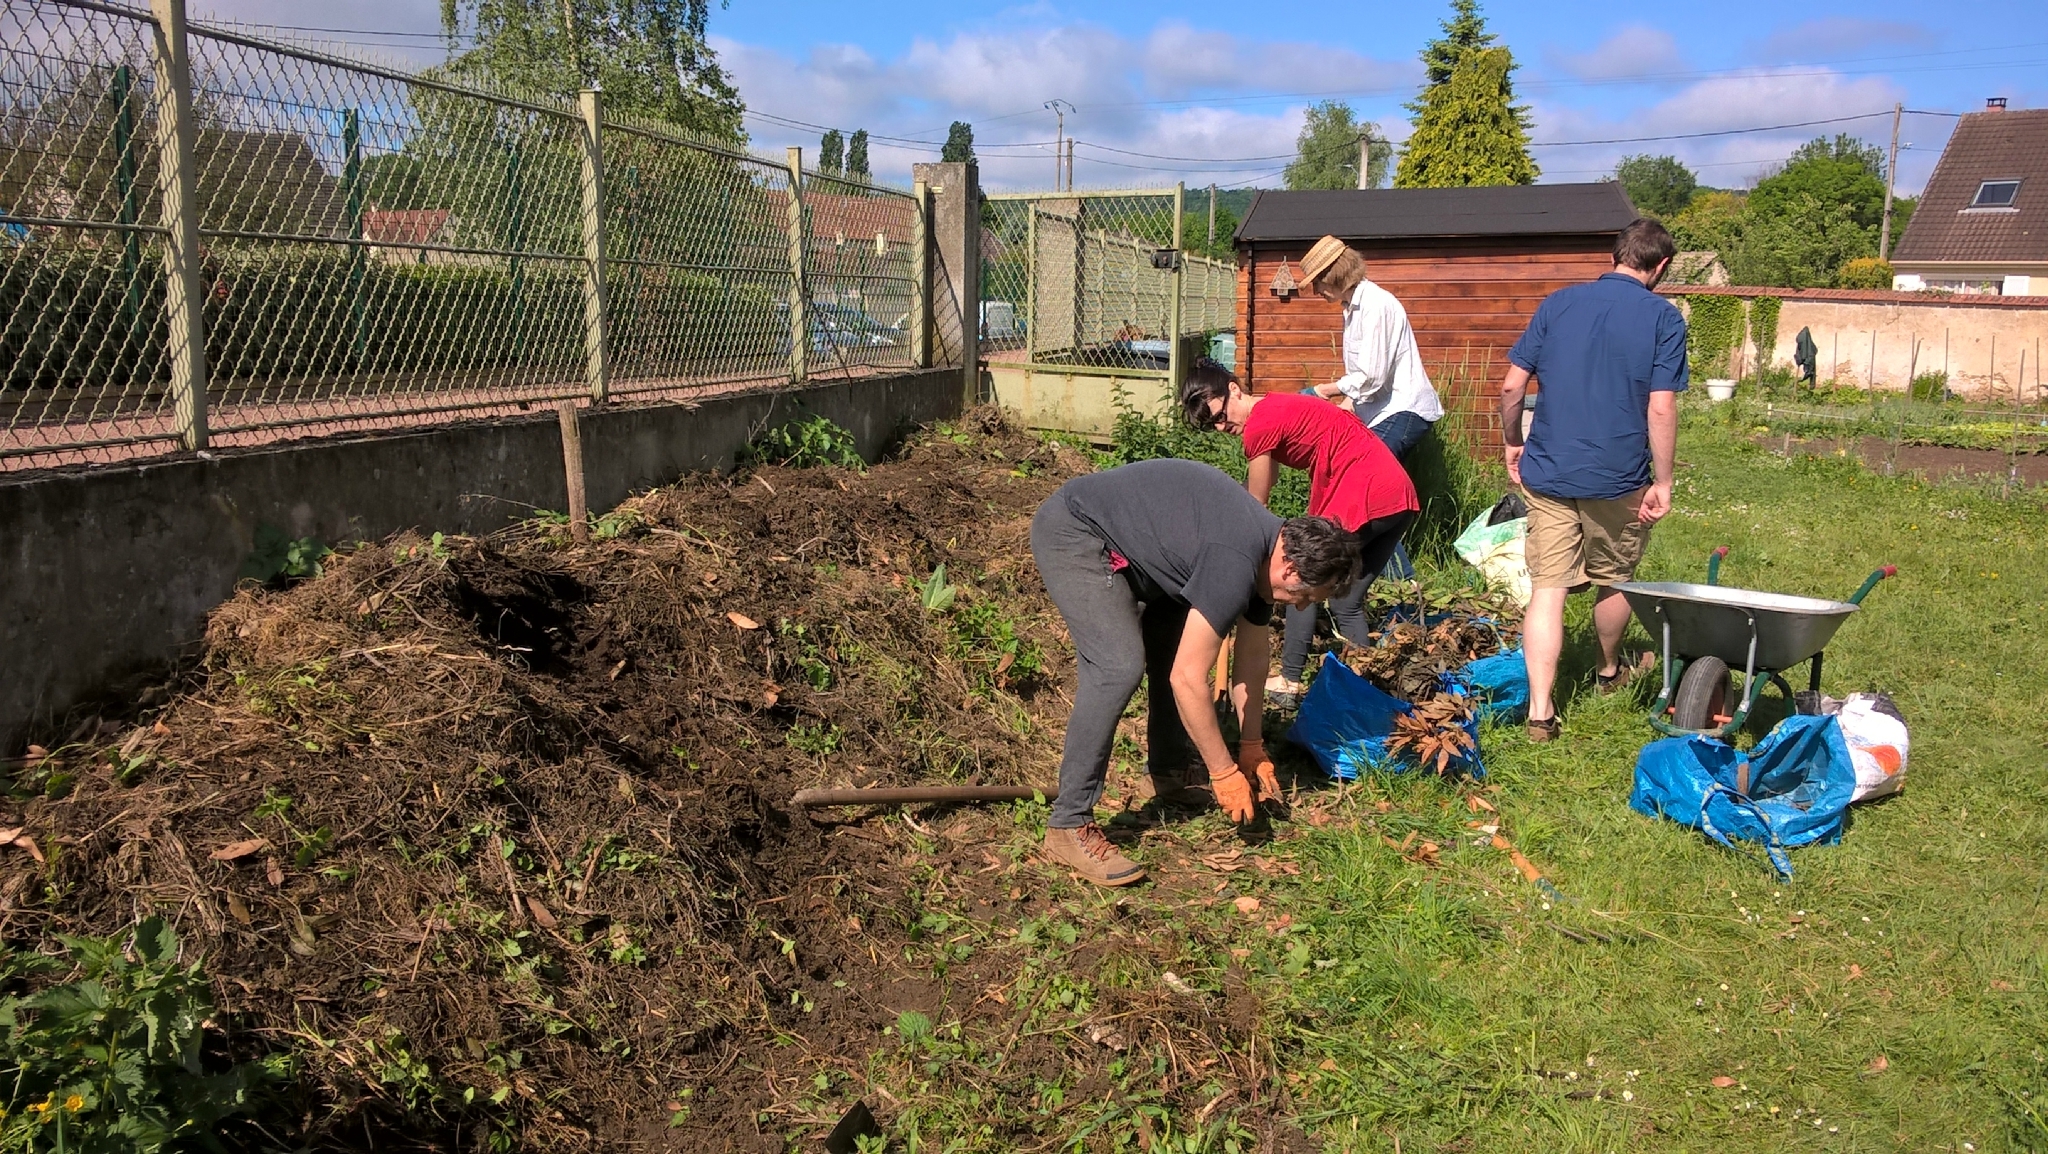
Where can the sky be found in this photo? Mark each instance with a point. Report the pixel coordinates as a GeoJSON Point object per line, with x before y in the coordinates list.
{"type": "Point", "coordinates": [1209, 92]}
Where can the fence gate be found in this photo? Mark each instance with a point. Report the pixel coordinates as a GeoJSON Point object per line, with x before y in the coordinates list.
{"type": "Point", "coordinates": [1089, 302]}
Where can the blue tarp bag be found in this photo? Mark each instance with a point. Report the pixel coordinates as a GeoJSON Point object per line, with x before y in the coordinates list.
{"type": "Point", "coordinates": [1345, 720]}
{"type": "Point", "coordinates": [1500, 683]}
{"type": "Point", "coordinates": [1793, 789]}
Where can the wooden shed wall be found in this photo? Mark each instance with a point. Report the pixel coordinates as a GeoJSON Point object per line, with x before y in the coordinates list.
{"type": "Point", "coordinates": [1467, 299]}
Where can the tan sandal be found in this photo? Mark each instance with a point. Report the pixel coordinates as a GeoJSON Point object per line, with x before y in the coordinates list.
{"type": "Point", "coordinates": [1544, 730]}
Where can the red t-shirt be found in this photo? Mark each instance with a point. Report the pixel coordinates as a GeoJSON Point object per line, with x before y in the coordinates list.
{"type": "Point", "coordinates": [1352, 478]}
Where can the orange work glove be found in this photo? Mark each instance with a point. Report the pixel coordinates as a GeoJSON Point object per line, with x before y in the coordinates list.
{"type": "Point", "coordinates": [1253, 763]}
{"type": "Point", "coordinates": [1234, 793]}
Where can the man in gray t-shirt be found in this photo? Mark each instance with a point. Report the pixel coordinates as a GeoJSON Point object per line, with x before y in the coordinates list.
{"type": "Point", "coordinates": [1126, 555]}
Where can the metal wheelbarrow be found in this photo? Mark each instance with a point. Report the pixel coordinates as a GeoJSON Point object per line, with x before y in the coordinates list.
{"type": "Point", "coordinates": [1709, 630]}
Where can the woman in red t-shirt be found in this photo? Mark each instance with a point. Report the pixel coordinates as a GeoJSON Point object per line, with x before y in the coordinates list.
{"type": "Point", "coordinates": [1352, 479]}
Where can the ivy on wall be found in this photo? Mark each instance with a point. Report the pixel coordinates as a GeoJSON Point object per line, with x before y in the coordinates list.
{"type": "Point", "coordinates": [1713, 326]}
{"type": "Point", "coordinates": [1763, 328]}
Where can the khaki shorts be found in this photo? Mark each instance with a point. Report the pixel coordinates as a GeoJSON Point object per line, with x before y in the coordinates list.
{"type": "Point", "coordinates": [1575, 542]}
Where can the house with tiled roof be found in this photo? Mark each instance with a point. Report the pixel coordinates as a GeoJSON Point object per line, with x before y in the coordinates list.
{"type": "Point", "coordinates": [1982, 223]}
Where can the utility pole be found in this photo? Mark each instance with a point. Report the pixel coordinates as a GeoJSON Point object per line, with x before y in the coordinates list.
{"type": "Point", "coordinates": [1891, 177]}
{"type": "Point", "coordinates": [1364, 160]}
{"type": "Point", "coordinates": [1212, 217]}
{"type": "Point", "coordinates": [1059, 109]}
{"type": "Point", "coordinates": [1070, 164]}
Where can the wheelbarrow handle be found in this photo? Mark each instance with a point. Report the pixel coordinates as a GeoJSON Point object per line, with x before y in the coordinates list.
{"type": "Point", "coordinates": [1714, 565]}
{"type": "Point", "coordinates": [1871, 581]}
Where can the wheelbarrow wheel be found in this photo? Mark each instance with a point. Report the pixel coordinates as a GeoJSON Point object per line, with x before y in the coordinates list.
{"type": "Point", "coordinates": [1702, 694]}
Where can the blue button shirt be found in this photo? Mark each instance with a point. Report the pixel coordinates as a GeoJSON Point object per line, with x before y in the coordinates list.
{"type": "Point", "coordinates": [1599, 350]}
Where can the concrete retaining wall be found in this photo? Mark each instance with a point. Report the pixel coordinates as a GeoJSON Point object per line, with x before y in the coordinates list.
{"type": "Point", "coordinates": [106, 575]}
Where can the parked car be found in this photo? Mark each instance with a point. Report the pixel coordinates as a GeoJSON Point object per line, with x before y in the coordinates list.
{"type": "Point", "coordinates": [999, 322]}
{"type": "Point", "coordinates": [840, 327]}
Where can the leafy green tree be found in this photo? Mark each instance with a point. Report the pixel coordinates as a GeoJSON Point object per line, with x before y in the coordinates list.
{"type": "Point", "coordinates": [832, 153]}
{"type": "Point", "coordinates": [1658, 186]}
{"type": "Point", "coordinates": [857, 155]}
{"type": "Point", "coordinates": [1194, 231]}
{"type": "Point", "coordinates": [1797, 243]}
{"type": "Point", "coordinates": [649, 56]}
{"type": "Point", "coordinates": [959, 146]}
{"type": "Point", "coordinates": [1827, 179]}
{"type": "Point", "coordinates": [1865, 272]}
{"type": "Point", "coordinates": [1326, 150]}
{"type": "Point", "coordinates": [1468, 131]}
{"type": "Point", "coordinates": [1902, 212]}
{"type": "Point", "coordinates": [1712, 221]}
{"type": "Point", "coordinates": [1844, 147]}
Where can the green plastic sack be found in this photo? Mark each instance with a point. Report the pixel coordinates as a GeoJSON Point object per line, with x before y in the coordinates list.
{"type": "Point", "coordinates": [1496, 551]}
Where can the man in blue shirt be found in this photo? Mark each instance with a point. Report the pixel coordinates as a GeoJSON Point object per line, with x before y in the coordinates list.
{"type": "Point", "coordinates": [1596, 469]}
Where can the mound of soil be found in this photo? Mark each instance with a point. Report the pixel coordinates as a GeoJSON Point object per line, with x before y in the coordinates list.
{"type": "Point", "coordinates": [495, 834]}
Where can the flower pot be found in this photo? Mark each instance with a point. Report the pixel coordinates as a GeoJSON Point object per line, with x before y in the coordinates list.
{"type": "Point", "coordinates": [1720, 390]}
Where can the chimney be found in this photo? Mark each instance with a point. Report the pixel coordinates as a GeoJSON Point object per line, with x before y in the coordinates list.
{"type": "Point", "coordinates": [1994, 104]}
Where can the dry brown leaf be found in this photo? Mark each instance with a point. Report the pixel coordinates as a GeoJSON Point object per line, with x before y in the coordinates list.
{"type": "Point", "coordinates": [1723, 1081]}
{"type": "Point", "coordinates": [770, 693]}
{"type": "Point", "coordinates": [240, 849]}
{"type": "Point", "coordinates": [273, 872]}
{"type": "Point", "coordinates": [1476, 803]}
{"type": "Point", "coordinates": [1877, 1065]}
{"type": "Point", "coordinates": [1327, 1065]}
{"type": "Point", "coordinates": [1247, 905]}
{"type": "Point", "coordinates": [239, 909]}
{"type": "Point", "coordinates": [617, 669]}
{"type": "Point", "coordinates": [19, 836]}
{"type": "Point", "coordinates": [1229, 861]}
{"type": "Point", "coordinates": [1855, 971]}
{"type": "Point", "coordinates": [541, 916]}
{"type": "Point", "coordinates": [742, 621]}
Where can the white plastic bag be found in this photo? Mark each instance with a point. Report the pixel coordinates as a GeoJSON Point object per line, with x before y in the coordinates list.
{"type": "Point", "coordinates": [1496, 551]}
{"type": "Point", "coordinates": [1878, 744]}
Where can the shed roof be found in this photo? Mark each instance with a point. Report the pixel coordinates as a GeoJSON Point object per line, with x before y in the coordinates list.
{"type": "Point", "coordinates": [1391, 213]}
{"type": "Point", "coordinates": [2000, 145]}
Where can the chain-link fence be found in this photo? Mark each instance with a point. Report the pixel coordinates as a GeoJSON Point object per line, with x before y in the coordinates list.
{"type": "Point", "coordinates": [1097, 282]}
{"type": "Point", "coordinates": [373, 247]}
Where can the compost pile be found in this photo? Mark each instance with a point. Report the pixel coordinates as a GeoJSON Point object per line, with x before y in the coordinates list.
{"type": "Point", "coordinates": [494, 832]}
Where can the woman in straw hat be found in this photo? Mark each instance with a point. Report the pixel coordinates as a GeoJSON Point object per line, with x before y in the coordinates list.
{"type": "Point", "coordinates": [1384, 381]}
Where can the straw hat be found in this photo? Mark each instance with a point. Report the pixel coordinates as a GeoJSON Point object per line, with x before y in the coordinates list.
{"type": "Point", "coordinates": [1320, 258]}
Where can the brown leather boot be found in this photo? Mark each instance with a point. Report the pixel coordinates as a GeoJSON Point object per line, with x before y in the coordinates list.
{"type": "Point", "coordinates": [1088, 852]}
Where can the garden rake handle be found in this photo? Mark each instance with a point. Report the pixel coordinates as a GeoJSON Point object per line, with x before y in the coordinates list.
{"type": "Point", "coordinates": [816, 798]}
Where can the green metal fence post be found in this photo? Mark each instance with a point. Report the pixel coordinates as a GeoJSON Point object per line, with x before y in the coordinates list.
{"type": "Point", "coordinates": [596, 341]}
{"type": "Point", "coordinates": [184, 295]}
{"type": "Point", "coordinates": [352, 185]}
{"type": "Point", "coordinates": [126, 213]}
{"type": "Point", "coordinates": [921, 278]}
{"type": "Point", "coordinates": [1030, 281]}
{"type": "Point", "coordinates": [799, 296]}
{"type": "Point", "coordinates": [1173, 321]}
{"type": "Point", "coordinates": [515, 243]}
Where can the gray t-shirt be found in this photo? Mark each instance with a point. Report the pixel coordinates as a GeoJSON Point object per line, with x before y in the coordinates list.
{"type": "Point", "coordinates": [1189, 532]}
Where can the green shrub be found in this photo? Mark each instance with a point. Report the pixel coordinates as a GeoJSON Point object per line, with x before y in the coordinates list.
{"type": "Point", "coordinates": [110, 1060]}
{"type": "Point", "coordinates": [805, 444]}
{"type": "Point", "coordinates": [1865, 272]}
{"type": "Point", "coordinates": [1930, 387]}
{"type": "Point", "coordinates": [1763, 327]}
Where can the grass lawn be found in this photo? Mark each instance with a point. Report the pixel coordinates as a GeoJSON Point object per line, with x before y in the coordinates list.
{"type": "Point", "coordinates": [1890, 997]}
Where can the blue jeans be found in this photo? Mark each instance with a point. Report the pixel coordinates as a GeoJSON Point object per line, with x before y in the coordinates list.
{"type": "Point", "coordinates": [1400, 432]}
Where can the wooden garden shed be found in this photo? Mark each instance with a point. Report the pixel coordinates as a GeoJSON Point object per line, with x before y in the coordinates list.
{"type": "Point", "coordinates": [1469, 264]}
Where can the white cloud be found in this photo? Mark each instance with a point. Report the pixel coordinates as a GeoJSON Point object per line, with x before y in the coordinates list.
{"type": "Point", "coordinates": [1635, 50]}
{"type": "Point", "coordinates": [1779, 96]}
{"type": "Point", "coordinates": [1830, 37]}
{"type": "Point", "coordinates": [1169, 93]}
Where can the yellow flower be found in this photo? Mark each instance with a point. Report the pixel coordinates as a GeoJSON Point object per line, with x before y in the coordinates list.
{"type": "Point", "coordinates": [43, 1107]}
{"type": "Point", "coordinates": [74, 1103]}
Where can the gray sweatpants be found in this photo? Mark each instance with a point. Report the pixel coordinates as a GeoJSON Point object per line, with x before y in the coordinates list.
{"type": "Point", "coordinates": [1118, 641]}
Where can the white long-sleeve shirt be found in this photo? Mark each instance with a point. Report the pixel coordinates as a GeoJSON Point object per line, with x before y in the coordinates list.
{"type": "Point", "coordinates": [1383, 371]}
